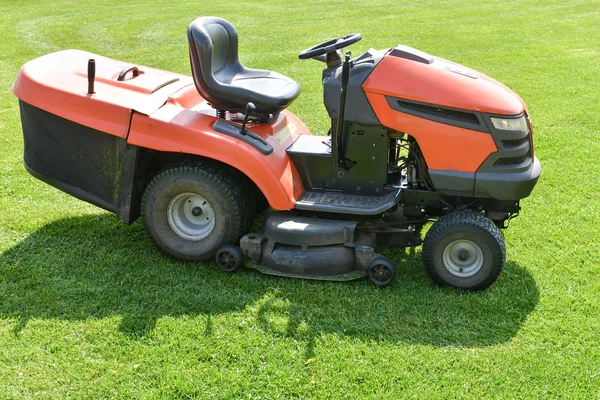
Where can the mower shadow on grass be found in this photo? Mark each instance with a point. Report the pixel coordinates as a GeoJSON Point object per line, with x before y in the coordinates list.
{"type": "Point", "coordinates": [412, 310]}
{"type": "Point", "coordinates": [95, 267]}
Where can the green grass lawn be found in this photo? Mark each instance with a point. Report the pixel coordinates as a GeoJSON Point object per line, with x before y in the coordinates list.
{"type": "Point", "coordinates": [89, 308]}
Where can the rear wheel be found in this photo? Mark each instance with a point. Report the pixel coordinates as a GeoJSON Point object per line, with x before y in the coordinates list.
{"type": "Point", "coordinates": [192, 211]}
{"type": "Point", "coordinates": [464, 250]}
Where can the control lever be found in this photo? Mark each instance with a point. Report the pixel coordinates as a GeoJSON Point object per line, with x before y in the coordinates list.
{"type": "Point", "coordinates": [91, 75]}
{"type": "Point", "coordinates": [250, 107]}
{"type": "Point", "coordinates": [343, 162]}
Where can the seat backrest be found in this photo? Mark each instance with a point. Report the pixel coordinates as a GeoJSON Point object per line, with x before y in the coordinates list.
{"type": "Point", "coordinates": [213, 57]}
{"type": "Point", "coordinates": [224, 82]}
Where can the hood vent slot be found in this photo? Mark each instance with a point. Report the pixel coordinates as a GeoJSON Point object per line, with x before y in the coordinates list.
{"type": "Point", "coordinates": [408, 53]}
{"type": "Point", "coordinates": [514, 142]}
{"type": "Point", "coordinates": [444, 115]}
{"type": "Point", "coordinates": [512, 161]}
{"type": "Point", "coordinates": [433, 111]}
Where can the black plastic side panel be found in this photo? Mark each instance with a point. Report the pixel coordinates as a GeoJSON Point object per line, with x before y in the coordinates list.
{"type": "Point", "coordinates": [508, 185]}
{"type": "Point", "coordinates": [78, 160]}
{"type": "Point", "coordinates": [358, 108]}
{"type": "Point", "coordinates": [311, 156]}
{"type": "Point", "coordinates": [367, 146]}
{"type": "Point", "coordinates": [453, 183]}
{"type": "Point", "coordinates": [129, 198]}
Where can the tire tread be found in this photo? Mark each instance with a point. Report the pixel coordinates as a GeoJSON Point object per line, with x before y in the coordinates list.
{"type": "Point", "coordinates": [225, 179]}
{"type": "Point", "coordinates": [453, 221]}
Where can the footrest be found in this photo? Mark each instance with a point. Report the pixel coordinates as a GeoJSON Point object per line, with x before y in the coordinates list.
{"type": "Point", "coordinates": [348, 203]}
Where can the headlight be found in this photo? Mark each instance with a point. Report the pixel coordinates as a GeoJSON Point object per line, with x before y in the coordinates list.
{"type": "Point", "coordinates": [510, 124]}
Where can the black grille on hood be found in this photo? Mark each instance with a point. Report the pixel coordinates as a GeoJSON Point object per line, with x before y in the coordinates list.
{"type": "Point", "coordinates": [461, 118]}
{"type": "Point", "coordinates": [507, 162]}
{"type": "Point", "coordinates": [434, 111]}
{"type": "Point", "coordinates": [514, 142]}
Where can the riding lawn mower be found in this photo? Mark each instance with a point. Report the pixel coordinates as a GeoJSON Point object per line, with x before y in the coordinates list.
{"type": "Point", "coordinates": [414, 139]}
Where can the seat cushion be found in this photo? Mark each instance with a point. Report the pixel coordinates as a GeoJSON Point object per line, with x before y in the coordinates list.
{"type": "Point", "coordinates": [271, 90]}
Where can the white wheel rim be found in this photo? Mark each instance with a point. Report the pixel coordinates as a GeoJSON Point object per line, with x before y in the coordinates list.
{"type": "Point", "coordinates": [191, 216]}
{"type": "Point", "coordinates": [463, 258]}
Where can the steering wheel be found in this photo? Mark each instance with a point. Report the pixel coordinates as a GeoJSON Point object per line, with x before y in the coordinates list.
{"type": "Point", "coordinates": [330, 46]}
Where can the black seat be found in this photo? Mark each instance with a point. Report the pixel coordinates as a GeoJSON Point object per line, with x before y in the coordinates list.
{"type": "Point", "coordinates": [221, 78]}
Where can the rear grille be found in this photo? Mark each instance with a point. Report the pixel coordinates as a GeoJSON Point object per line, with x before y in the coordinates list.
{"type": "Point", "coordinates": [506, 162]}
{"type": "Point", "coordinates": [514, 142]}
{"type": "Point", "coordinates": [441, 112]}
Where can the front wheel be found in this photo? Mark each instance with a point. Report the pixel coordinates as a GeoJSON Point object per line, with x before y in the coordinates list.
{"type": "Point", "coordinates": [192, 211]}
{"type": "Point", "coordinates": [464, 250]}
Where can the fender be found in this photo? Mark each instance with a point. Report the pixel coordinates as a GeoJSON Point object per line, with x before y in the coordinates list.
{"type": "Point", "coordinates": [184, 125]}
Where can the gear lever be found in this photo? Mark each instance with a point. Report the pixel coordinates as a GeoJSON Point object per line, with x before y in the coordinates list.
{"type": "Point", "coordinates": [250, 107]}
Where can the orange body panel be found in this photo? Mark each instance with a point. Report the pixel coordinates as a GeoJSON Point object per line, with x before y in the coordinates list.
{"type": "Point", "coordinates": [447, 84]}
{"type": "Point", "coordinates": [442, 83]}
{"type": "Point", "coordinates": [184, 124]}
{"type": "Point", "coordinates": [162, 111]}
{"type": "Point", "coordinates": [57, 83]}
{"type": "Point", "coordinates": [444, 147]}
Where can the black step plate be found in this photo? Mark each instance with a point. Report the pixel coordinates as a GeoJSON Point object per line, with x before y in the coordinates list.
{"type": "Point", "coordinates": [347, 203]}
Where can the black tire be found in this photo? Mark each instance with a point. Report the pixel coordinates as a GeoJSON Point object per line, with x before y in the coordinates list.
{"type": "Point", "coordinates": [381, 271]}
{"type": "Point", "coordinates": [464, 250]}
{"type": "Point", "coordinates": [229, 258]}
{"type": "Point", "coordinates": [177, 230]}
